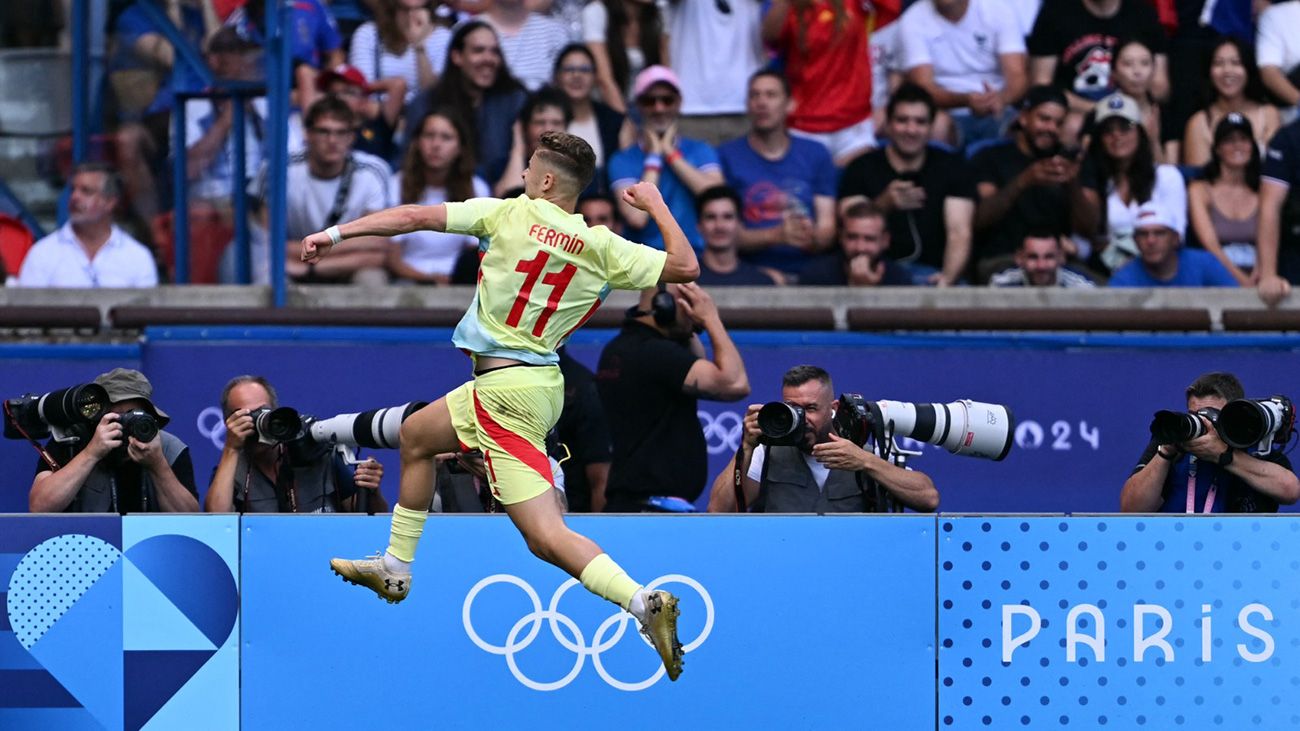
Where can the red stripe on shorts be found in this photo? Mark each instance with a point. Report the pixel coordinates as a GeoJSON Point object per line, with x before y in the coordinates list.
{"type": "Point", "coordinates": [514, 445]}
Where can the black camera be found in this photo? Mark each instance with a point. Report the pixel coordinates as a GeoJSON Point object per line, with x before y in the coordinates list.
{"type": "Point", "coordinates": [140, 425]}
{"type": "Point", "coordinates": [781, 424]}
{"type": "Point", "coordinates": [1257, 425]}
{"type": "Point", "coordinates": [1173, 427]}
{"type": "Point", "coordinates": [67, 414]}
{"type": "Point", "coordinates": [275, 426]}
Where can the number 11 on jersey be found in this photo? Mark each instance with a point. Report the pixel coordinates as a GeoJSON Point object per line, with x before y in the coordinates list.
{"type": "Point", "coordinates": [558, 281]}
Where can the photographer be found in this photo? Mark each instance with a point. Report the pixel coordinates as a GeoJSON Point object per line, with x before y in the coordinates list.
{"type": "Point", "coordinates": [113, 471]}
{"type": "Point", "coordinates": [1205, 475]}
{"type": "Point", "coordinates": [825, 473]}
{"type": "Point", "coordinates": [650, 379]}
{"type": "Point", "coordinates": [254, 477]}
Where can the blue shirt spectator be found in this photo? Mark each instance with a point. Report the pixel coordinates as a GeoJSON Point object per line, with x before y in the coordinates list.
{"type": "Point", "coordinates": [314, 36]}
{"type": "Point", "coordinates": [1196, 268]}
{"type": "Point", "coordinates": [132, 26]}
{"type": "Point", "coordinates": [786, 184]}
{"type": "Point", "coordinates": [682, 168]}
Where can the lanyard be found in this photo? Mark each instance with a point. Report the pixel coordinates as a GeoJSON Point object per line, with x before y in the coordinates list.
{"type": "Point", "coordinates": [1191, 491]}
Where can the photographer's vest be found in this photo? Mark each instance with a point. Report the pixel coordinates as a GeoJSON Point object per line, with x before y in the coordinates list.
{"type": "Point", "coordinates": [313, 486]}
{"type": "Point", "coordinates": [789, 487]}
{"type": "Point", "coordinates": [97, 492]}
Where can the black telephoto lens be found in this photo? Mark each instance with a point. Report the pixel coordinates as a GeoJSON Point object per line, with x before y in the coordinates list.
{"type": "Point", "coordinates": [277, 425]}
{"type": "Point", "coordinates": [1172, 427]}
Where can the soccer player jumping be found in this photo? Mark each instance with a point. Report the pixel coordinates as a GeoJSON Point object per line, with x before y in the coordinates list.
{"type": "Point", "coordinates": [543, 273]}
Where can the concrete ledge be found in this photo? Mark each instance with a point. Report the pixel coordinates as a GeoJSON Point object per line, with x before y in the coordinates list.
{"type": "Point", "coordinates": [1045, 318]}
{"type": "Point", "coordinates": [751, 307]}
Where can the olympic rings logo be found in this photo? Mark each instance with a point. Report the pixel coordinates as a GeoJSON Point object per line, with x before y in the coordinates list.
{"type": "Point", "coordinates": [212, 426]}
{"type": "Point", "coordinates": [722, 432]}
{"type": "Point", "coordinates": [608, 634]}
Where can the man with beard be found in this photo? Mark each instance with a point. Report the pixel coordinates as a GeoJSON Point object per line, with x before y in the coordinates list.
{"type": "Point", "coordinates": [1040, 262]}
{"type": "Point", "coordinates": [720, 265]}
{"type": "Point", "coordinates": [823, 474]}
{"type": "Point", "coordinates": [651, 377]}
{"type": "Point", "coordinates": [1029, 183]}
{"type": "Point", "coordinates": [787, 184]}
{"type": "Point", "coordinates": [681, 168]}
{"type": "Point", "coordinates": [926, 193]}
{"type": "Point", "coordinates": [860, 262]}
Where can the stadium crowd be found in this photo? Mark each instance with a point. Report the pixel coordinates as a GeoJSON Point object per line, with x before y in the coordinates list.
{"type": "Point", "coordinates": [1076, 143]}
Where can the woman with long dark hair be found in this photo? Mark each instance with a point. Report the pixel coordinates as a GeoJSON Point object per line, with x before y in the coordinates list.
{"type": "Point", "coordinates": [604, 128]}
{"type": "Point", "coordinates": [477, 86]}
{"type": "Point", "coordinates": [1232, 85]}
{"type": "Point", "coordinates": [1125, 172]}
{"type": "Point", "coordinates": [624, 36]}
{"type": "Point", "coordinates": [438, 167]}
{"type": "Point", "coordinates": [1224, 203]}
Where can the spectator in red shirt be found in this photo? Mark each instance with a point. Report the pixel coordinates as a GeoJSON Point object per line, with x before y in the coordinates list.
{"type": "Point", "coordinates": [825, 47]}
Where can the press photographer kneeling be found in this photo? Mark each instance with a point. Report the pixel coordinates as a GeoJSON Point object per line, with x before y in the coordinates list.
{"type": "Point", "coordinates": [823, 472]}
{"type": "Point", "coordinates": [275, 460]}
{"type": "Point", "coordinates": [1223, 456]}
{"type": "Point", "coordinates": [108, 453]}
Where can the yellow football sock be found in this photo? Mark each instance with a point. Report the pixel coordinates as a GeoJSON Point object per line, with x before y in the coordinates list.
{"type": "Point", "coordinates": [605, 578]}
{"type": "Point", "coordinates": [405, 534]}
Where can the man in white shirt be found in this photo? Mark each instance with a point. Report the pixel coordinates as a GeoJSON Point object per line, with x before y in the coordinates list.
{"type": "Point", "coordinates": [714, 46]}
{"type": "Point", "coordinates": [89, 250]}
{"type": "Point", "coordinates": [329, 182]}
{"type": "Point", "coordinates": [970, 56]}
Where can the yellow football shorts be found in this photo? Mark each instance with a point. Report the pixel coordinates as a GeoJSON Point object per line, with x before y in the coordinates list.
{"type": "Point", "coordinates": [506, 414]}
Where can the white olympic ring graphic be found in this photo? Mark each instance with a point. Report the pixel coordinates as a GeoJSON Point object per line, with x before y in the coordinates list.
{"type": "Point", "coordinates": [721, 432]}
{"type": "Point", "coordinates": [617, 623]}
{"type": "Point", "coordinates": [212, 426]}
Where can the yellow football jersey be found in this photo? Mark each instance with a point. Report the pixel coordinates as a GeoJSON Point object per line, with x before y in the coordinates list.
{"type": "Point", "coordinates": [543, 273]}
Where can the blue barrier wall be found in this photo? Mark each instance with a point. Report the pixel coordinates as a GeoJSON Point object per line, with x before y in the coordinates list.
{"type": "Point", "coordinates": [797, 622]}
{"type": "Point", "coordinates": [119, 623]}
{"type": "Point", "coordinates": [1083, 405]}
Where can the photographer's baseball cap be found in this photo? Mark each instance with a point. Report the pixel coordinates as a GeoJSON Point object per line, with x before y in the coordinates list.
{"type": "Point", "coordinates": [1152, 215]}
{"type": "Point", "coordinates": [343, 72]}
{"type": "Point", "coordinates": [1044, 94]}
{"type": "Point", "coordinates": [1233, 122]}
{"type": "Point", "coordinates": [1118, 105]}
{"type": "Point", "coordinates": [125, 383]}
{"type": "Point", "coordinates": [655, 75]}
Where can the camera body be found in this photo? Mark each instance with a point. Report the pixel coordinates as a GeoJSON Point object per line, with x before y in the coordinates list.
{"type": "Point", "coordinates": [276, 426]}
{"type": "Point", "coordinates": [68, 414]}
{"type": "Point", "coordinates": [139, 425]}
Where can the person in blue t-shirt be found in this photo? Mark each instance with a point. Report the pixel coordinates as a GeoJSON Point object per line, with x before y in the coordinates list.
{"type": "Point", "coordinates": [786, 184]}
{"type": "Point", "coordinates": [1162, 260]}
{"type": "Point", "coordinates": [315, 43]}
{"type": "Point", "coordinates": [718, 209]}
{"type": "Point", "coordinates": [1205, 475]}
{"type": "Point", "coordinates": [682, 168]}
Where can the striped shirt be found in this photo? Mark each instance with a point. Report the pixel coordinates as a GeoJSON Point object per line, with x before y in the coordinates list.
{"type": "Point", "coordinates": [1015, 277]}
{"type": "Point", "coordinates": [369, 56]}
{"type": "Point", "coordinates": [530, 53]}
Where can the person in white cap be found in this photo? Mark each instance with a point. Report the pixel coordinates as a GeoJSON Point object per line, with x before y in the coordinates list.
{"type": "Point", "coordinates": [1162, 260]}
{"type": "Point", "coordinates": [682, 168]}
{"type": "Point", "coordinates": [1127, 176]}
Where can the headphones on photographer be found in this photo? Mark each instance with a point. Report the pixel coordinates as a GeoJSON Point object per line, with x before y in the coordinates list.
{"type": "Point", "coordinates": [663, 306]}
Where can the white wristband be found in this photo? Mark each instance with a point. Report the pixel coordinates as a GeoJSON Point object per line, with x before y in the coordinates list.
{"type": "Point", "coordinates": [336, 236]}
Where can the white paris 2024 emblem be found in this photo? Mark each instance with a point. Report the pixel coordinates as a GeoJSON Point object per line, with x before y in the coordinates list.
{"type": "Point", "coordinates": [607, 635]}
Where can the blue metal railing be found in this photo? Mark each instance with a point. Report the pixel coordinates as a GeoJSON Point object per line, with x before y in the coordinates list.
{"type": "Point", "coordinates": [278, 69]}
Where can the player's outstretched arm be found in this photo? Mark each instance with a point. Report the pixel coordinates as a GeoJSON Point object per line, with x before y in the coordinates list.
{"type": "Point", "coordinates": [388, 222]}
{"type": "Point", "coordinates": [681, 265]}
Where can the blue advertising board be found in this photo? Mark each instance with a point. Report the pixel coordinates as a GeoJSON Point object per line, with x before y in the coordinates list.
{"type": "Point", "coordinates": [788, 623]}
{"type": "Point", "coordinates": [1082, 412]}
{"type": "Point", "coordinates": [1119, 622]}
{"type": "Point", "coordinates": [119, 623]}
